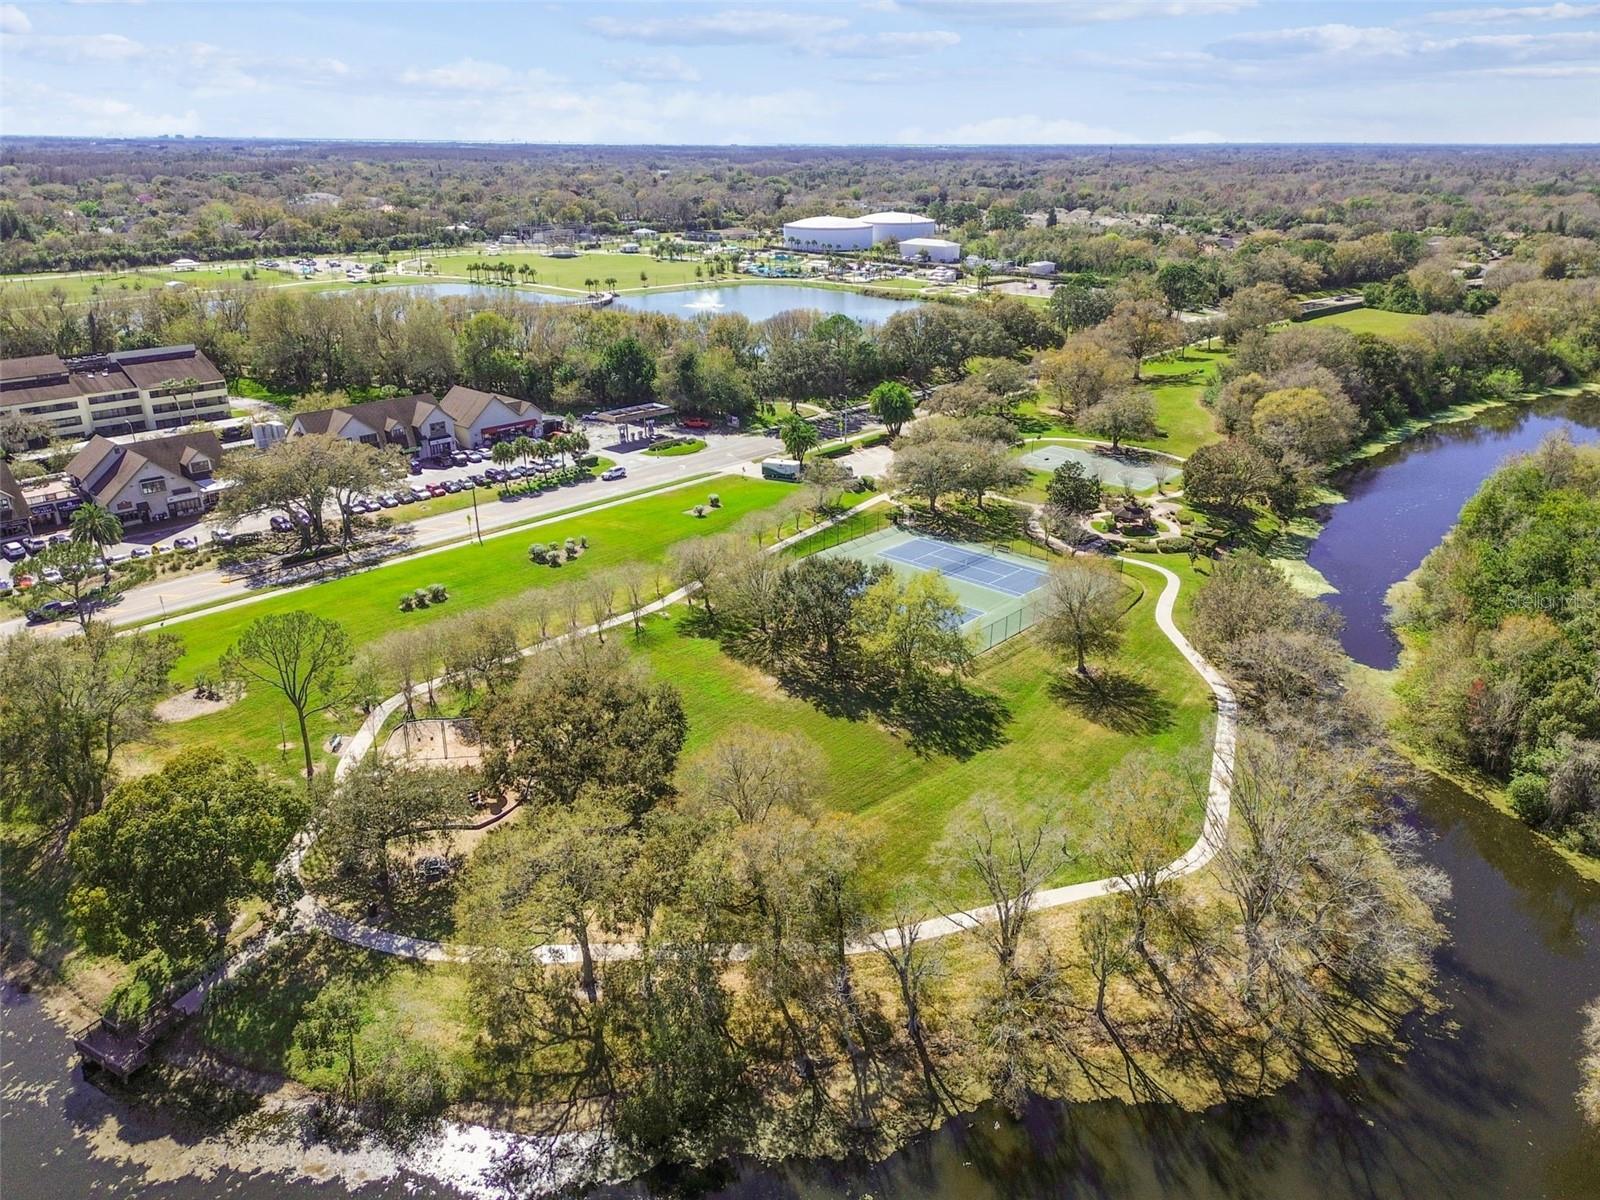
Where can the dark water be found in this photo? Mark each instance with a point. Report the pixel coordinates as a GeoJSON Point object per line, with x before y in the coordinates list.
{"type": "Point", "coordinates": [1402, 502]}
{"type": "Point", "coordinates": [758, 301]}
{"type": "Point", "coordinates": [1481, 1106]}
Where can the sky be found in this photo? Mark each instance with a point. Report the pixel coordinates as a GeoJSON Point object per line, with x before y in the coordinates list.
{"type": "Point", "coordinates": [835, 71]}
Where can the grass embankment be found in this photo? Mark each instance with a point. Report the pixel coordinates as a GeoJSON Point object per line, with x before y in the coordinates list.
{"type": "Point", "coordinates": [1371, 320]}
{"type": "Point", "coordinates": [476, 576]}
{"type": "Point", "coordinates": [676, 449]}
{"type": "Point", "coordinates": [570, 273]}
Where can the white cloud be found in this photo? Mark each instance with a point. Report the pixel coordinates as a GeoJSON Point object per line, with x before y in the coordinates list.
{"type": "Point", "coordinates": [79, 48]}
{"type": "Point", "coordinates": [1199, 137]}
{"type": "Point", "coordinates": [1016, 131]}
{"type": "Point", "coordinates": [42, 110]}
{"type": "Point", "coordinates": [13, 19]}
{"type": "Point", "coordinates": [1489, 16]}
{"type": "Point", "coordinates": [730, 27]}
{"type": "Point", "coordinates": [1314, 40]}
{"type": "Point", "coordinates": [669, 68]}
{"type": "Point", "coordinates": [1070, 12]}
{"type": "Point", "coordinates": [886, 45]}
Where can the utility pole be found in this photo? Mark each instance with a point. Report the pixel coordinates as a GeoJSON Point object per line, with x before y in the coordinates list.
{"type": "Point", "coordinates": [475, 521]}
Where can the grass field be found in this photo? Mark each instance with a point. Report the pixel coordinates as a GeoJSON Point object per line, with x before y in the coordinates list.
{"type": "Point", "coordinates": [1371, 320]}
{"type": "Point", "coordinates": [571, 272]}
{"type": "Point", "coordinates": [367, 603]}
{"type": "Point", "coordinates": [1176, 384]}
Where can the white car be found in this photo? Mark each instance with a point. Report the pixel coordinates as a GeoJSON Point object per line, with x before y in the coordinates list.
{"type": "Point", "coordinates": [50, 575]}
{"type": "Point", "coordinates": [615, 473]}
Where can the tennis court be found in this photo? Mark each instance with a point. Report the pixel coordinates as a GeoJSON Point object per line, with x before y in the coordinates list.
{"type": "Point", "coordinates": [998, 589]}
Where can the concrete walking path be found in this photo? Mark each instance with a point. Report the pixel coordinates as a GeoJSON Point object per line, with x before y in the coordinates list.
{"type": "Point", "coordinates": [1213, 831]}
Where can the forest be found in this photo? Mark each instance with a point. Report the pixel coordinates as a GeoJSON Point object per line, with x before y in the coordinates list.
{"type": "Point", "coordinates": [79, 204]}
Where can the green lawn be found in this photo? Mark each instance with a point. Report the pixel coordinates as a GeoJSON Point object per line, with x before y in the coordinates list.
{"type": "Point", "coordinates": [367, 603]}
{"type": "Point", "coordinates": [1058, 739]}
{"type": "Point", "coordinates": [571, 272]}
{"type": "Point", "coordinates": [677, 449]}
{"type": "Point", "coordinates": [1176, 384]}
{"type": "Point", "coordinates": [1371, 320]}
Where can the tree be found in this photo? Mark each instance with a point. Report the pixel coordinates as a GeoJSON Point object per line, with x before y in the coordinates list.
{"type": "Point", "coordinates": [95, 526]}
{"type": "Point", "coordinates": [1127, 414]}
{"type": "Point", "coordinates": [913, 626]}
{"type": "Point", "coordinates": [819, 625]}
{"type": "Point", "coordinates": [583, 715]}
{"type": "Point", "coordinates": [382, 803]}
{"type": "Point", "coordinates": [1084, 603]}
{"type": "Point", "coordinates": [627, 372]}
{"type": "Point", "coordinates": [749, 771]}
{"type": "Point", "coordinates": [893, 404]}
{"type": "Point", "coordinates": [1306, 421]}
{"type": "Point", "coordinates": [76, 562]}
{"type": "Point", "coordinates": [1080, 375]}
{"type": "Point", "coordinates": [326, 1033]}
{"type": "Point", "coordinates": [300, 655]}
{"type": "Point", "coordinates": [1075, 307]}
{"type": "Point", "coordinates": [1229, 475]}
{"type": "Point", "coordinates": [1256, 307]}
{"type": "Point", "coordinates": [504, 455]}
{"type": "Point", "coordinates": [929, 469]}
{"type": "Point", "coordinates": [826, 479]}
{"type": "Point", "coordinates": [1140, 328]}
{"type": "Point", "coordinates": [163, 863]}
{"type": "Point", "coordinates": [799, 436]}
{"type": "Point", "coordinates": [990, 467]}
{"type": "Point", "coordinates": [302, 477]}
{"type": "Point", "coordinates": [68, 708]}
{"type": "Point", "coordinates": [1073, 490]}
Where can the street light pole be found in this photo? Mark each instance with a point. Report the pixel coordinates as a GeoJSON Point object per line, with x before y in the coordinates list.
{"type": "Point", "coordinates": [475, 521]}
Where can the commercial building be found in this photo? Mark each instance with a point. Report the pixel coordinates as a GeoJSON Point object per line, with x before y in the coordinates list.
{"type": "Point", "coordinates": [14, 515]}
{"type": "Point", "coordinates": [1041, 268]}
{"type": "Point", "coordinates": [929, 249]}
{"type": "Point", "coordinates": [152, 480]}
{"type": "Point", "coordinates": [410, 422]}
{"type": "Point", "coordinates": [898, 226]}
{"type": "Point", "coordinates": [126, 391]}
{"type": "Point", "coordinates": [483, 418]}
{"type": "Point", "coordinates": [834, 234]}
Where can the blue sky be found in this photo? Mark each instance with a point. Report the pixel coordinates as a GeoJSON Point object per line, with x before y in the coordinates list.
{"type": "Point", "coordinates": [753, 71]}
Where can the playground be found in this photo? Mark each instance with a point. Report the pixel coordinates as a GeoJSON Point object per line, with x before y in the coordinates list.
{"type": "Point", "coordinates": [1134, 469]}
{"type": "Point", "coordinates": [998, 589]}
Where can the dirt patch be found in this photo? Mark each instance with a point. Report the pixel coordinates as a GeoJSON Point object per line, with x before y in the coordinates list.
{"type": "Point", "coordinates": [186, 707]}
{"type": "Point", "coordinates": [435, 743]}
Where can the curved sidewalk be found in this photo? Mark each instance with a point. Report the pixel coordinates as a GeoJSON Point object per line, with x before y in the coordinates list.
{"type": "Point", "coordinates": [1213, 829]}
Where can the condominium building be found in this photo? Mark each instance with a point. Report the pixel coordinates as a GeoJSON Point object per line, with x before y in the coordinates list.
{"type": "Point", "coordinates": [125, 391]}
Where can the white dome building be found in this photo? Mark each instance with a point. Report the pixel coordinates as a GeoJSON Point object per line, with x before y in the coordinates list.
{"type": "Point", "coordinates": [899, 226]}
{"type": "Point", "coordinates": [828, 234]}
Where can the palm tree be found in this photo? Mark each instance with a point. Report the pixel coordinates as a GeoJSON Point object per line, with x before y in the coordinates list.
{"type": "Point", "coordinates": [799, 436]}
{"type": "Point", "coordinates": [523, 447]}
{"type": "Point", "coordinates": [503, 454]}
{"type": "Point", "coordinates": [611, 283]}
{"type": "Point", "coordinates": [100, 528]}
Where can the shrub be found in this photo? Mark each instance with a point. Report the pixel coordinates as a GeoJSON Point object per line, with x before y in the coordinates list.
{"type": "Point", "coordinates": [715, 500]}
{"type": "Point", "coordinates": [539, 552]}
{"type": "Point", "coordinates": [420, 597]}
{"type": "Point", "coordinates": [1177, 545]}
{"type": "Point", "coordinates": [699, 510]}
{"type": "Point", "coordinates": [437, 593]}
{"type": "Point", "coordinates": [583, 542]}
{"type": "Point", "coordinates": [1141, 545]}
{"type": "Point", "coordinates": [1530, 798]}
{"type": "Point", "coordinates": [555, 559]}
{"type": "Point", "coordinates": [407, 602]}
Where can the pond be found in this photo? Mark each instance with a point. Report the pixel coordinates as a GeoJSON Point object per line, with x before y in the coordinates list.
{"type": "Point", "coordinates": [758, 301]}
{"type": "Point", "coordinates": [1401, 503]}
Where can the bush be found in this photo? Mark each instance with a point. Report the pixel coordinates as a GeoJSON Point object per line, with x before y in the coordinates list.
{"type": "Point", "coordinates": [583, 542]}
{"type": "Point", "coordinates": [1530, 798]}
{"type": "Point", "coordinates": [539, 553]}
{"type": "Point", "coordinates": [407, 603]}
{"type": "Point", "coordinates": [572, 547]}
{"type": "Point", "coordinates": [1141, 545]}
{"type": "Point", "coordinates": [1177, 545]}
{"type": "Point", "coordinates": [437, 593]}
{"type": "Point", "coordinates": [699, 510]}
{"type": "Point", "coordinates": [715, 500]}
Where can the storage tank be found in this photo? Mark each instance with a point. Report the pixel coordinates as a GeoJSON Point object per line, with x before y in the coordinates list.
{"type": "Point", "coordinates": [827, 234]}
{"type": "Point", "coordinates": [899, 226]}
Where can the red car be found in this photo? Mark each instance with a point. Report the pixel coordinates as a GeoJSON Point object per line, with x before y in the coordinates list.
{"type": "Point", "coordinates": [695, 423]}
{"type": "Point", "coordinates": [437, 489]}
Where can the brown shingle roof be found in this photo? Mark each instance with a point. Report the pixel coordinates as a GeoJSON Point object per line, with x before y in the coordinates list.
{"type": "Point", "coordinates": [381, 415]}
{"type": "Point", "coordinates": [31, 367]}
{"type": "Point", "coordinates": [465, 405]}
{"type": "Point", "coordinates": [103, 468]}
{"type": "Point", "coordinates": [11, 490]}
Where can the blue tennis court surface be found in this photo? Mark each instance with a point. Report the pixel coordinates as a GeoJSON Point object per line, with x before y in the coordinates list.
{"type": "Point", "coordinates": [983, 569]}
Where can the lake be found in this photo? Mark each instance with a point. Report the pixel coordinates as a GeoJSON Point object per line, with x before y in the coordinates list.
{"type": "Point", "coordinates": [758, 301]}
{"type": "Point", "coordinates": [1400, 504]}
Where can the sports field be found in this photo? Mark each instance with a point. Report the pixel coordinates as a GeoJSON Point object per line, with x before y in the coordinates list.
{"type": "Point", "coordinates": [998, 589]}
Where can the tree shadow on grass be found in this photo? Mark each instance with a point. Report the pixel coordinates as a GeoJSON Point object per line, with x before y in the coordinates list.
{"type": "Point", "coordinates": [1114, 699]}
{"type": "Point", "coordinates": [945, 716]}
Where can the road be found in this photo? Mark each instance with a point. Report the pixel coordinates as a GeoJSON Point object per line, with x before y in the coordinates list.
{"type": "Point", "coordinates": [724, 453]}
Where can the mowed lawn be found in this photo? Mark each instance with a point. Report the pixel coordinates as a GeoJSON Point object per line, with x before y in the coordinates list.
{"type": "Point", "coordinates": [1176, 384]}
{"type": "Point", "coordinates": [571, 272]}
{"type": "Point", "coordinates": [1371, 320]}
{"type": "Point", "coordinates": [367, 604]}
{"type": "Point", "coordinates": [1058, 739]}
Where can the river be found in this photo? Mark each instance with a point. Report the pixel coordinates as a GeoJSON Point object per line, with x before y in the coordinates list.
{"type": "Point", "coordinates": [1399, 505]}
{"type": "Point", "coordinates": [1481, 1106]}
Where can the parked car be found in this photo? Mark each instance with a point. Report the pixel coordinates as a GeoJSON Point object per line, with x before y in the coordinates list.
{"type": "Point", "coordinates": [139, 552]}
{"type": "Point", "coordinates": [436, 489]}
{"type": "Point", "coordinates": [416, 467]}
{"type": "Point", "coordinates": [59, 539]}
{"type": "Point", "coordinates": [476, 456]}
{"type": "Point", "coordinates": [281, 524]}
{"type": "Point", "coordinates": [50, 575]}
{"type": "Point", "coordinates": [34, 545]}
{"type": "Point", "coordinates": [5, 587]}
{"type": "Point", "coordinates": [387, 501]}
{"type": "Point", "coordinates": [479, 480]}
{"type": "Point", "coordinates": [404, 496]}
{"type": "Point", "coordinates": [186, 542]}
{"type": "Point", "coordinates": [51, 610]}
{"type": "Point", "coordinates": [421, 493]}
{"type": "Point", "coordinates": [695, 423]}
{"type": "Point", "coordinates": [615, 473]}
{"type": "Point", "coordinates": [222, 536]}
{"type": "Point", "coordinates": [459, 458]}
{"type": "Point", "coordinates": [453, 485]}
{"type": "Point", "coordinates": [14, 551]}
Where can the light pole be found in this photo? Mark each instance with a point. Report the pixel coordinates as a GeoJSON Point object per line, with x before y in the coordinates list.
{"type": "Point", "coordinates": [475, 521]}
